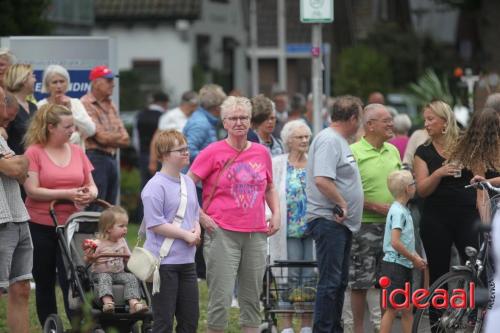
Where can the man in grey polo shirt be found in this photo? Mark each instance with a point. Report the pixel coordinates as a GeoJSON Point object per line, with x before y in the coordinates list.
{"type": "Point", "coordinates": [16, 249]}
{"type": "Point", "coordinates": [333, 179]}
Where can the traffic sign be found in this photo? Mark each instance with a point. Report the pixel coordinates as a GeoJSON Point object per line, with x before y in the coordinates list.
{"type": "Point", "coordinates": [316, 11]}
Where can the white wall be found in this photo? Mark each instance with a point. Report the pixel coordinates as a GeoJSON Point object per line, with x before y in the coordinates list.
{"type": "Point", "coordinates": [219, 20]}
{"type": "Point", "coordinates": [147, 42]}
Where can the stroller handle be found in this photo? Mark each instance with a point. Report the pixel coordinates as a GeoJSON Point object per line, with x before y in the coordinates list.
{"type": "Point", "coordinates": [53, 203]}
{"type": "Point", "coordinates": [99, 202]}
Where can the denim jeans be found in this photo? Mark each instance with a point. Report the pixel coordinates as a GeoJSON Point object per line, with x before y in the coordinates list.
{"type": "Point", "coordinates": [333, 247]}
{"type": "Point", "coordinates": [105, 176]}
{"type": "Point", "coordinates": [300, 249]}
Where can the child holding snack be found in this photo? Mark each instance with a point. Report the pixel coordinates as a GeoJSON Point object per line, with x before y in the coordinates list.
{"type": "Point", "coordinates": [108, 270]}
{"type": "Point", "coordinates": [399, 247]}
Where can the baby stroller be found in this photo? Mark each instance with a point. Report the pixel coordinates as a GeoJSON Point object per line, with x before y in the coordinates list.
{"type": "Point", "coordinates": [81, 299]}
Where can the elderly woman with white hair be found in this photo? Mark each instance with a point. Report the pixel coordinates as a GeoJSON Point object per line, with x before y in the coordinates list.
{"type": "Point", "coordinates": [56, 82]}
{"type": "Point", "coordinates": [236, 175]}
{"type": "Point", "coordinates": [291, 242]}
{"type": "Point", "coordinates": [401, 127]}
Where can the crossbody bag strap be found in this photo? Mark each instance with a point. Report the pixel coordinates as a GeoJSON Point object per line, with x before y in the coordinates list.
{"type": "Point", "coordinates": [179, 217]}
{"type": "Point", "coordinates": [224, 167]}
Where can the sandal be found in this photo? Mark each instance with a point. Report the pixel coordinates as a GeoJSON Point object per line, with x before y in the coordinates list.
{"type": "Point", "coordinates": [138, 308]}
{"type": "Point", "coordinates": [108, 307]}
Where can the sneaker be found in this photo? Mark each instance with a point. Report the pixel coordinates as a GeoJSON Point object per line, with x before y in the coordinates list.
{"type": "Point", "coordinates": [234, 303]}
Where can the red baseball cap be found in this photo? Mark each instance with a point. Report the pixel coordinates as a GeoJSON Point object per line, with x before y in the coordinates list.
{"type": "Point", "coordinates": [101, 71]}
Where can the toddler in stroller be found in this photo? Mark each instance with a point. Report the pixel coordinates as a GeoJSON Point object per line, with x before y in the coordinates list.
{"type": "Point", "coordinates": [108, 255]}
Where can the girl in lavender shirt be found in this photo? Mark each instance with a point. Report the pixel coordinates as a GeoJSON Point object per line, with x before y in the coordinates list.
{"type": "Point", "coordinates": [179, 288]}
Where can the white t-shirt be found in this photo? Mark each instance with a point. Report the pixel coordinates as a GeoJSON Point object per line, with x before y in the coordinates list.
{"type": "Point", "coordinates": [173, 119]}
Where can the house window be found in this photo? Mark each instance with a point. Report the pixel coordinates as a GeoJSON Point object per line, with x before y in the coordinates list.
{"type": "Point", "coordinates": [149, 73]}
{"type": "Point", "coordinates": [203, 48]}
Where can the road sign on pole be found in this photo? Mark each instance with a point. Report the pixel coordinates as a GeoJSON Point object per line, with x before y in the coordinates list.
{"type": "Point", "coordinates": [316, 11]}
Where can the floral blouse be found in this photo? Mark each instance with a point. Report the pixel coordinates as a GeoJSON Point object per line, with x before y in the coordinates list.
{"type": "Point", "coordinates": [296, 201]}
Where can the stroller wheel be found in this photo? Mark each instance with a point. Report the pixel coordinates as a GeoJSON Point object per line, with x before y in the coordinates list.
{"type": "Point", "coordinates": [53, 324]}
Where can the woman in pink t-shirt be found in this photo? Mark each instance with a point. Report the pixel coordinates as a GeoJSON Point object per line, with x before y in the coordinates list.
{"type": "Point", "coordinates": [57, 170]}
{"type": "Point", "coordinates": [236, 175]}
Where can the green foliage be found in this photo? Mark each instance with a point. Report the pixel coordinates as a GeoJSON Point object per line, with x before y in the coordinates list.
{"type": "Point", "coordinates": [199, 77]}
{"type": "Point", "coordinates": [362, 70]}
{"type": "Point", "coordinates": [233, 322]}
{"type": "Point", "coordinates": [24, 17]}
{"type": "Point", "coordinates": [430, 87]}
{"type": "Point", "coordinates": [130, 190]}
{"type": "Point", "coordinates": [131, 97]}
{"type": "Point", "coordinates": [400, 47]}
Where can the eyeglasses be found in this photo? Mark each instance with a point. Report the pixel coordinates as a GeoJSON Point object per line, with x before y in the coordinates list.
{"type": "Point", "coordinates": [243, 119]}
{"type": "Point", "coordinates": [302, 137]}
{"type": "Point", "coordinates": [183, 150]}
{"type": "Point", "coordinates": [385, 121]}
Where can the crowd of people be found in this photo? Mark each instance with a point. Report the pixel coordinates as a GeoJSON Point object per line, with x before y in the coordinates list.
{"type": "Point", "coordinates": [244, 171]}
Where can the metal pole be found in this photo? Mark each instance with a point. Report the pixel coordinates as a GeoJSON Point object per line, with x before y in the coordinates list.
{"type": "Point", "coordinates": [281, 45]}
{"type": "Point", "coordinates": [317, 78]}
{"type": "Point", "coordinates": [254, 60]}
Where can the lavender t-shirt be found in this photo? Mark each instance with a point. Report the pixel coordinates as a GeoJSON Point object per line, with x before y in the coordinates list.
{"type": "Point", "coordinates": [161, 198]}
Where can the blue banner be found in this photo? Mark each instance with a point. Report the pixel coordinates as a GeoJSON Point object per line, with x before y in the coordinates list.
{"type": "Point", "coordinates": [79, 84]}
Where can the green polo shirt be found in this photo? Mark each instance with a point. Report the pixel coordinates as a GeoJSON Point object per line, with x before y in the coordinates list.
{"type": "Point", "coordinates": [374, 166]}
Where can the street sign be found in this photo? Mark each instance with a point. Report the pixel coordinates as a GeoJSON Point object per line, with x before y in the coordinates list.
{"type": "Point", "coordinates": [316, 11]}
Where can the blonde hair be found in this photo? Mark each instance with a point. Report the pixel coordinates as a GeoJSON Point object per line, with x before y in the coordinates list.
{"type": "Point", "coordinates": [444, 111]}
{"type": "Point", "coordinates": [38, 129]}
{"type": "Point", "coordinates": [16, 77]}
{"type": "Point", "coordinates": [108, 219]}
{"type": "Point", "coordinates": [398, 181]}
{"type": "Point", "coordinates": [232, 103]}
{"type": "Point", "coordinates": [167, 140]}
{"type": "Point", "coordinates": [7, 55]}
{"type": "Point", "coordinates": [49, 72]}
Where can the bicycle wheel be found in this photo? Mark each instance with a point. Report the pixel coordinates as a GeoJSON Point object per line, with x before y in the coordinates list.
{"type": "Point", "coordinates": [449, 319]}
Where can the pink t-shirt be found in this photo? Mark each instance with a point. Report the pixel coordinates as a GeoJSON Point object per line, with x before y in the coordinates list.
{"type": "Point", "coordinates": [238, 201]}
{"type": "Point", "coordinates": [110, 265]}
{"type": "Point", "coordinates": [52, 176]}
{"type": "Point", "coordinates": [400, 142]}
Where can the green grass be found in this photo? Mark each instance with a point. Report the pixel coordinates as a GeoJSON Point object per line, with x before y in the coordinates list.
{"type": "Point", "coordinates": [233, 325]}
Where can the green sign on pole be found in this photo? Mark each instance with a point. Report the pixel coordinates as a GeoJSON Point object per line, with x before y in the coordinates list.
{"type": "Point", "coordinates": [316, 11]}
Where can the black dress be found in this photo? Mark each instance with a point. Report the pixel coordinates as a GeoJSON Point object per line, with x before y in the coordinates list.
{"type": "Point", "coordinates": [449, 215]}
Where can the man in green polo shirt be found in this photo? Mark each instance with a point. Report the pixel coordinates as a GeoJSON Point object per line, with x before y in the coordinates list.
{"type": "Point", "coordinates": [376, 159]}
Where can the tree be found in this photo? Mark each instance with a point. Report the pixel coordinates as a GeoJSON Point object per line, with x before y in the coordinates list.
{"type": "Point", "coordinates": [24, 17]}
{"type": "Point", "coordinates": [361, 71]}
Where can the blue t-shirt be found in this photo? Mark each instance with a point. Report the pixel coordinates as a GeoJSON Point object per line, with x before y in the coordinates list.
{"type": "Point", "coordinates": [399, 217]}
